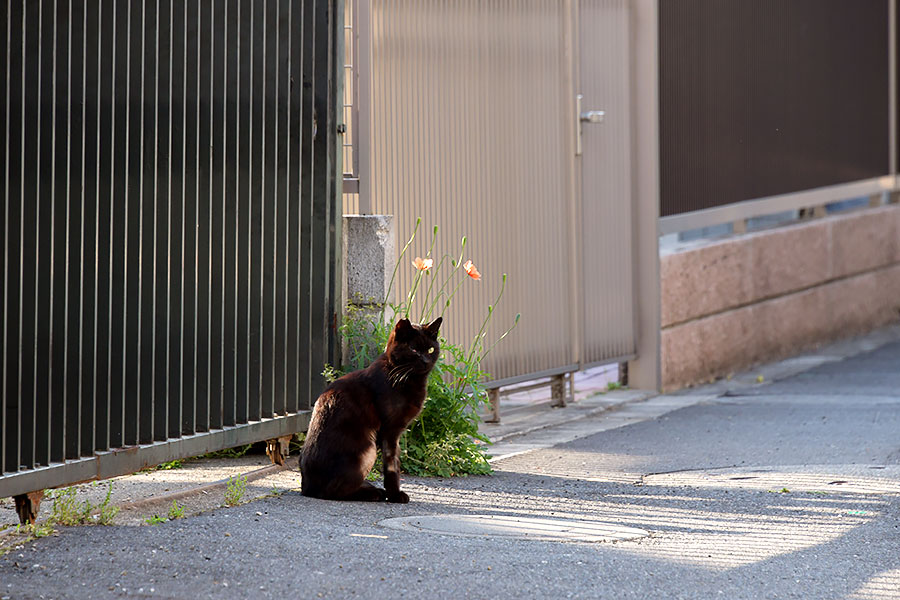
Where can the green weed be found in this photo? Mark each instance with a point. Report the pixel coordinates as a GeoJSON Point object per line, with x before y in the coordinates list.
{"type": "Point", "coordinates": [444, 439]}
{"type": "Point", "coordinates": [107, 512]}
{"type": "Point", "coordinates": [375, 473]}
{"type": "Point", "coordinates": [22, 534]}
{"type": "Point", "coordinates": [38, 530]}
{"type": "Point", "coordinates": [176, 511]}
{"type": "Point", "coordinates": [297, 441]}
{"type": "Point", "coordinates": [172, 464]}
{"type": "Point", "coordinates": [166, 466]}
{"type": "Point", "coordinates": [68, 511]}
{"type": "Point", "coordinates": [228, 452]}
{"type": "Point", "coordinates": [179, 463]}
{"type": "Point", "coordinates": [34, 530]}
{"type": "Point", "coordinates": [235, 489]}
{"type": "Point", "coordinates": [16, 534]}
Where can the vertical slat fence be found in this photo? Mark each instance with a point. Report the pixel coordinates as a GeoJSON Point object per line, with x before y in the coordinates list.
{"type": "Point", "coordinates": [169, 222]}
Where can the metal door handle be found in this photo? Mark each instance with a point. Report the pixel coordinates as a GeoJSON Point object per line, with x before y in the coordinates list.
{"type": "Point", "coordinates": [590, 116]}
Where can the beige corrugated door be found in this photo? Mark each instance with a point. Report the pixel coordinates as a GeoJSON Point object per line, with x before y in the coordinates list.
{"type": "Point", "coordinates": [467, 134]}
{"type": "Point", "coordinates": [605, 165]}
{"type": "Point", "coordinates": [471, 128]}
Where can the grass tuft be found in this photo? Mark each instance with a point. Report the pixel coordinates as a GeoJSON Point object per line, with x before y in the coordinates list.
{"type": "Point", "coordinates": [235, 489]}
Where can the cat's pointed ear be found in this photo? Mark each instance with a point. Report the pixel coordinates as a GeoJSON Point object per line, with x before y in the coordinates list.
{"type": "Point", "coordinates": [403, 327]}
{"type": "Point", "coordinates": [435, 325]}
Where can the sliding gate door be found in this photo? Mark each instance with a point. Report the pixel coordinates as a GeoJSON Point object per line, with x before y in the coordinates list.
{"type": "Point", "coordinates": [607, 207]}
{"type": "Point", "coordinates": [169, 226]}
{"type": "Point", "coordinates": [472, 127]}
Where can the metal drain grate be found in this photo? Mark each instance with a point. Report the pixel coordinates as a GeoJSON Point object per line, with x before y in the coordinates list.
{"type": "Point", "coordinates": [516, 527]}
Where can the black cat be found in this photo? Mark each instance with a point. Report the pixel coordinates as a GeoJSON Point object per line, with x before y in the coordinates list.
{"type": "Point", "coordinates": [365, 410]}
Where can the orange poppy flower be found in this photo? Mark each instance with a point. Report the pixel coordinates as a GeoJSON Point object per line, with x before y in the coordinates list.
{"type": "Point", "coordinates": [471, 271]}
{"type": "Point", "coordinates": [423, 264]}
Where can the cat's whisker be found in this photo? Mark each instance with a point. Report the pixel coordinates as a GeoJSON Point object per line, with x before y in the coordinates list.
{"type": "Point", "coordinates": [399, 369]}
{"type": "Point", "coordinates": [401, 374]}
{"type": "Point", "coordinates": [395, 374]}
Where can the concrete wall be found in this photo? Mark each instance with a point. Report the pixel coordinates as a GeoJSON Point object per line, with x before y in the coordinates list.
{"type": "Point", "coordinates": [369, 255]}
{"type": "Point", "coordinates": [755, 298]}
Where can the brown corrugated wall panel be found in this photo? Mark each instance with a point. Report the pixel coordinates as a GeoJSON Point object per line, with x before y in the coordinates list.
{"type": "Point", "coordinates": [770, 97]}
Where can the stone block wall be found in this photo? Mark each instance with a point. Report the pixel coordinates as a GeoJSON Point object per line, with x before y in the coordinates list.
{"type": "Point", "coordinates": [759, 297]}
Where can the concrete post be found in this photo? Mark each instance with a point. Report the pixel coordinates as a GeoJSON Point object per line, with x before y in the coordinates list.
{"type": "Point", "coordinates": [369, 256]}
{"type": "Point", "coordinates": [645, 372]}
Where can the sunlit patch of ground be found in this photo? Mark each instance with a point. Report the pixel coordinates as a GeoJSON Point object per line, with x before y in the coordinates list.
{"type": "Point", "coordinates": [884, 586]}
{"type": "Point", "coordinates": [717, 520]}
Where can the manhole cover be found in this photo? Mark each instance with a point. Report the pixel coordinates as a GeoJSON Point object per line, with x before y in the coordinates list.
{"type": "Point", "coordinates": [516, 527]}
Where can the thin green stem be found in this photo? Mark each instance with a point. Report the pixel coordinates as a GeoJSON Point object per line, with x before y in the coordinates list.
{"type": "Point", "coordinates": [456, 267]}
{"type": "Point", "coordinates": [426, 307]}
{"type": "Point", "coordinates": [412, 294]}
{"type": "Point", "coordinates": [487, 319]}
{"type": "Point", "coordinates": [433, 240]}
{"type": "Point", "coordinates": [397, 266]}
{"type": "Point", "coordinates": [472, 357]}
{"type": "Point", "coordinates": [450, 297]}
{"type": "Point", "coordinates": [505, 333]}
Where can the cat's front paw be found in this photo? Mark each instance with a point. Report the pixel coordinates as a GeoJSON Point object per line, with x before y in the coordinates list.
{"type": "Point", "coordinates": [398, 497]}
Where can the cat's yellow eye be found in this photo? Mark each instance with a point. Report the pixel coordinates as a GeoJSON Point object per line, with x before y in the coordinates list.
{"type": "Point", "coordinates": [431, 350]}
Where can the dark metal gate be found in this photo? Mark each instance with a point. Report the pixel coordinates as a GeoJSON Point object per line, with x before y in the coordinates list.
{"type": "Point", "coordinates": [170, 212]}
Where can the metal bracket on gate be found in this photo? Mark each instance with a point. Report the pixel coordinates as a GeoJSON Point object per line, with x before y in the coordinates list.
{"type": "Point", "coordinates": [278, 449]}
{"type": "Point", "coordinates": [562, 391]}
{"type": "Point", "coordinates": [27, 506]}
{"type": "Point", "coordinates": [494, 403]}
{"type": "Point", "coordinates": [558, 391]}
{"type": "Point", "coordinates": [591, 116]}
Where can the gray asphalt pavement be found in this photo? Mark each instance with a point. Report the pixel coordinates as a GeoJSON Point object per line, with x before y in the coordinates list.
{"type": "Point", "coordinates": [788, 489]}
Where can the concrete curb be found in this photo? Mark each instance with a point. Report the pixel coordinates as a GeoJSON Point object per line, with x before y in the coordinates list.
{"type": "Point", "coordinates": [165, 499]}
{"type": "Point", "coordinates": [635, 396]}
